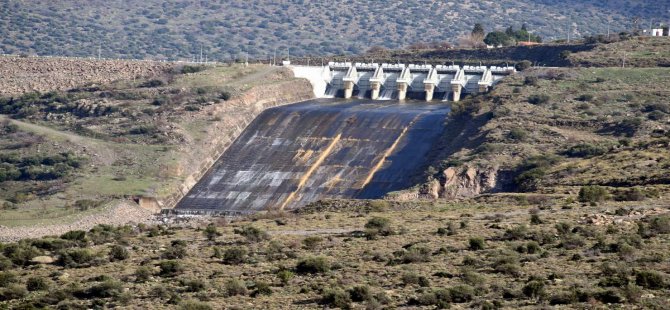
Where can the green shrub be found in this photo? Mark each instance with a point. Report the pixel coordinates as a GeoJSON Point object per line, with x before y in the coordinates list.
{"type": "Point", "coordinates": [13, 291]}
{"type": "Point", "coordinates": [37, 284]}
{"type": "Point", "coordinates": [534, 289]}
{"type": "Point", "coordinates": [143, 274]}
{"type": "Point", "coordinates": [517, 134]}
{"type": "Point", "coordinates": [531, 80]}
{"type": "Point", "coordinates": [21, 253]}
{"type": "Point", "coordinates": [586, 150]}
{"type": "Point", "coordinates": [105, 289]}
{"type": "Point", "coordinates": [234, 287]}
{"type": "Point", "coordinates": [192, 69]}
{"type": "Point", "coordinates": [650, 279]}
{"type": "Point", "coordinates": [118, 253]}
{"type": "Point", "coordinates": [262, 288]}
{"type": "Point", "coordinates": [416, 254]}
{"type": "Point", "coordinates": [225, 96]}
{"type": "Point", "coordinates": [7, 278]}
{"type": "Point", "coordinates": [360, 293]}
{"type": "Point", "coordinates": [284, 276]}
{"type": "Point", "coordinates": [592, 193]}
{"type": "Point", "coordinates": [476, 244]}
{"type": "Point", "coordinates": [152, 83]}
{"type": "Point", "coordinates": [461, 293]}
{"type": "Point", "coordinates": [194, 285]}
{"type": "Point", "coordinates": [211, 232]}
{"type": "Point", "coordinates": [74, 258]}
{"type": "Point", "coordinates": [176, 250]}
{"type": "Point", "coordinates": [235, 255]}
{"type": "Point", "coordinates": [378, 226]}
{"type": "Point", "coordinates": [337, 298]}
{"type": "Point", "coordinates": [523, 65]}
{"type": "Point", "coordinates": [170, 268]}
{"type": "Point", "coordinates": [312, 242]}
{"type": "Point", "coordinates": [586, 97]}
{"type": "Point", "coordinates": [75, 235]}
{"type": "Point", "coordinates": [317, 264]}
{"type": "Point", "coordinates": [253, 234]}
{"type": "Point", "coordinates": [538, 99]}
{"type": "Point", "coordinates": [410, 278]}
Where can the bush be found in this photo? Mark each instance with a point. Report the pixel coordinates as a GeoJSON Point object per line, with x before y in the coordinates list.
{"type": "Point", "coordinates": [317, 264]}
{"type": "Point", "coordinates": [7, 278]}
{"type": "Point", "coordinates": [225, 96]}
{"type": "Point", "coordinates": [360, 293]}
{"type": "Point", "coordinates": [170, 268]}
{"type": "Point", "coordinates": [592, 193]}
{"type": "Point", "coordinates": [312, 242]}
{"type": "Point", "coordinates": [538, 99]}
{"type": "Point", "coordinates": [530, 80]}
{"type": "Point", "coordinates": [337, 298]}
{"type": "Point", "coordinates": [262, 288]}
{"type": "Point", "coordinates": [211, 232]}
{"type": "Point", "coordinates": [143, 274]}
{"type": "Point", "coordinates": [106, 289]}
{"type": "Point", "coordinates": [75, 258]}
{"type": "Point", "coordinates": [75, 235]}
{"type": "Point", "coordinates": [152, 83]}
{"type": "Point", "coordinates": [13, 291]}
{"type": "Point", "coordinates": [631, 194]}
{"type": "Point", "coordinates": [118, 253]}
{"type": "Point", "coordinates": [586, 150]}
{"type": "Point", "coordinates": [194, 285]}
{"type": "Point", "coordinates": [586, 97]}
{"type": "Point", "coordinates": [253, 234]}
{"type": "Point", "coordinates": [416, 254]}
{"type": "Point", "coordinates": [517, 134]}
{"type": "Point", "coordinates": [534, 289]}
{"type": "Point", "coordinates": [461, 293]}
{"type": "Point", "coordinates": [476, 244]}
{"type": "Point", "coordinates": [235, 255]}
{"type": "Point", "coordinates": [192, 69]}
{"type": "Point", "coordinates": [378, 226]}
{"type": "Point", "coordinates": [650, 279]}
{"type": "Point", "coordinates": [410, 278]}
{"type": "Point", "coordinates": [176, 250]}
{"type": "Point", "coordinates": [284, 276]}
{"type": "Point", "coordinates": [523, 65]}
{"type": "Point", "coordinates": [235, 287]}
{"type": "Point", "coordinates": [37, 284]}
{"type": "Point", "coordinates": [20, 253]}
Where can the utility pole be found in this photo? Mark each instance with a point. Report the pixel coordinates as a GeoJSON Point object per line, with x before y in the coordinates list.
{"type": "Point", "coordinates": [288, 54]}
{"type": "Point", "coordinates": [609, 20]}
{"type": "Point", "coordinates": [274, 57]}
{"type": "Point", "coordinates": [200, 53]}
{"type": "Point", "coordinates": [99, 51]}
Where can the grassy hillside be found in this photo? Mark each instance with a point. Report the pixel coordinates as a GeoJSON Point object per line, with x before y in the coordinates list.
{"type": "Point", "coordinates": [69, 152]}
{"type": "Point", "coordinates": [372, 255]}
{"type": "Point", "coordinates": [228, 29]}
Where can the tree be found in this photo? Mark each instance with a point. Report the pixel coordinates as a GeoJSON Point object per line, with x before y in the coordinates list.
{"type": "Point", "coordinates": [497, 38]}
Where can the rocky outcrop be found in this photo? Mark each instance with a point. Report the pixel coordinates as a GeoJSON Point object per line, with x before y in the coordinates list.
{"type": "Point", "coordinates": [464, 182]}
{"type": "Point", "coordinates": [454, 183]}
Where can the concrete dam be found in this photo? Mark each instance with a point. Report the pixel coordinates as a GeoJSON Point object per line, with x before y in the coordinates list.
{"type": "Point", "coordinates": [399, 81]}
{"type": "Point", "coordinates": [361, 138]}
{"type": "Point", "coordinates": [322, 148]}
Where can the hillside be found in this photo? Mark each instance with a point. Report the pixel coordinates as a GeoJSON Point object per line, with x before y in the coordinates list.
{"type": "Point", "coordinates": [69, 153]}
{"type": "Point", "coordinates": [227, 29]}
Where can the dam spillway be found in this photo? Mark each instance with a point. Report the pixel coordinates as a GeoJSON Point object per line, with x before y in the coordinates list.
{"type": "Point", "coordinates": [323, 148]}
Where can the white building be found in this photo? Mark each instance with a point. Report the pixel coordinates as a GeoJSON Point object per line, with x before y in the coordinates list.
{"type": "Point", "coordinates": [657, 32]}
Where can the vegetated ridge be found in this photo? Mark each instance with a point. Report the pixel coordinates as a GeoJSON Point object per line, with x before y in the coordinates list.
{"type": "Point", "coordinates": [225, 30]}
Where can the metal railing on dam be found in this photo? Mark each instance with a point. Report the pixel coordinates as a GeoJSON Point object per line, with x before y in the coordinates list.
{"type": "Point", "coordinates": [322, 148]}
{"type": "Point", "coordinates": [400, 81]}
